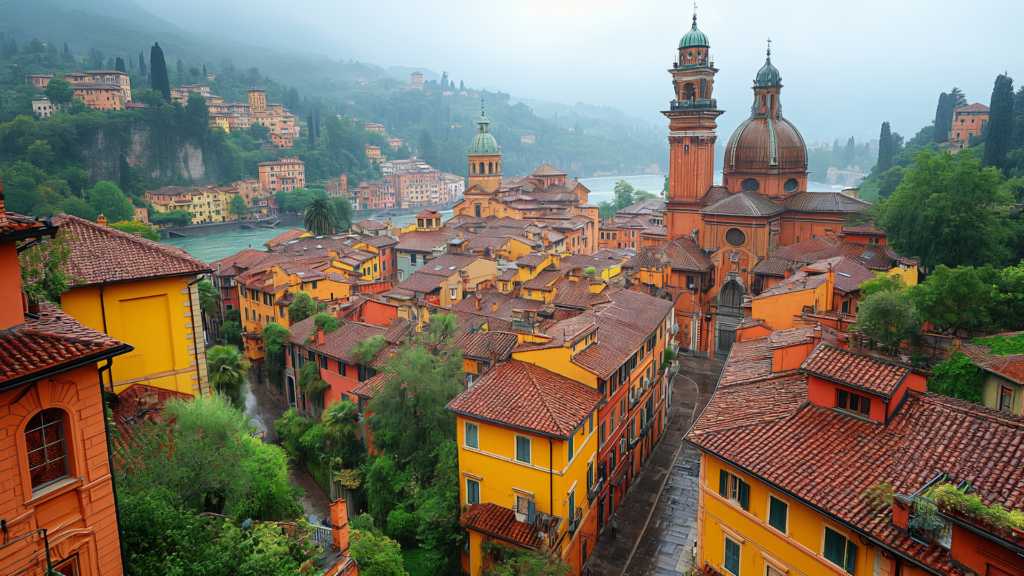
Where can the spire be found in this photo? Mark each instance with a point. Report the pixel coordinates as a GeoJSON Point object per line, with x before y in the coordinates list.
{"type": "Point", "coordinates": [483, 121]}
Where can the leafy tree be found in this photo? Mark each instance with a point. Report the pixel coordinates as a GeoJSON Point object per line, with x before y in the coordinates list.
{"type": "Point", "coordinates": [882, 283]}
{"type": "Point", "coordinates": [302, 307]}
{"type": "Point", "coordinates": [44, 269]}
{"type": "Point", "coordinates": [510, 561]}
{"type": "Point", "coordinates": [107, 199]}
{"type": "Point", "coordinates": [237, 206]}
{"type": "Point", "coordinates": [889, 180]}
{"type": "Point", "coordinates": [888, 318]}
{"type": "Point", "coordinates": [59, 91]}
{"type": "Point", "coordinates": [208, 461]}
{"type": "Point", "coordinates": [197, 117]}
{"type": "Point", "coordinates": [326, 321]}
{"type": "Point", "coordinates": [948, 211]}
{"type": "Point", "coordinates": [227, 368]}
{"type": "Point", "coordinates": [623, 195]}
{"type": "Point", "coordinates": [340, 419]}
{"type": "Point", "coordinates": [158, 72]}
{"type": "Point", "coordinates": [342, 213]}
{"type": "Point", "coordinates": [385, 485]}
{"type": "Point", "coordinates": [999, 129]}
{"type": "Point", "coordinates": [274, 338]}
{"type": "Point", "coordinates": [311, 384]}
{"type": "Point", "coordinates": [957, 377]}
{"type": "Point", "coordinates": [209, 298]}
{"type": "Point", "coordinates": [319, 215]}
{"type": "Point", "coordinates": [367, 348]}
{"type": "Point", "coordinates": [954, 299]}
{"type": "Point", "coordinates": [377, 556]}
{"type": "Point", "coordinates": [119, 65]}
{"type": "Point", "coordinates": [133, 227]}
{"type": "Point", "coordinates": [34, 46]}
{"type": "Point", "coordinates": [427, 148]}
{"type": "Point", "coordinates": [77, 207]}
{"type": "Point", "coordinates": [438, 510]}
{"type": "Point", "coordinates": [174, 217]}
{"type": "Point", "coordinates": [409, 411]}
{"type": "Point", "coordinates": [40, 153]}
{"type": "Point", "coordinates": [231, 331]}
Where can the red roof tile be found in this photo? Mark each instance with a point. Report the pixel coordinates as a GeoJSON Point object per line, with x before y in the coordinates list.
{"type": "Point", "coordinates": [499, 522]}
{"type": "Point", "coordinates": [795, 283]}
{"type": "Point", "coordinates": [53, 340]}
{"type": "Point", "coordinates": [1010, 367]}
{"type": "Point", "coordinates": [286, 236]}
{"type": "Point", "coordinates": [104, 255]}
{"type": "Point", "coordinates": [527, 397]}
{"type": "Point", "coordinates": [748, 361]}
{"type": "Point", "coordinates": [976, 107]}
{"type": "Point", "coordinates": [855, 370]}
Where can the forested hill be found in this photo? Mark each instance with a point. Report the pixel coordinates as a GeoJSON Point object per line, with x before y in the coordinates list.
{"type": "Point", "coordinates": [306, 83]}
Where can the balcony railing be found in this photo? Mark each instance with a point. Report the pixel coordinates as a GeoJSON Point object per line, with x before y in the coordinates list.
{"type": "Point", "coordinates": [647, 428]}
{"type": "Point", "coordinates": [595, 490]}
{"type": "Point", "coordinates": [694, 104]}
{"type": "Point", "coordinates": [633, 443]}
{"type": "Point", "coordinates": [577, 518]}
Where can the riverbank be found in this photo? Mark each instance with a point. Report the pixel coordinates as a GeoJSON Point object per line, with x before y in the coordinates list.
{"type": "Point", "coordinates": [284, 222]}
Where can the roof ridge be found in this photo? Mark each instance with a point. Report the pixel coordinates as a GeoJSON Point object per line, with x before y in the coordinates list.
{"type": "Point", "coordinates": [543, 397]}
{"type": "Point", "coordinates": [955, 404]}
{"type": "Point", "coordinates": [111, 231]}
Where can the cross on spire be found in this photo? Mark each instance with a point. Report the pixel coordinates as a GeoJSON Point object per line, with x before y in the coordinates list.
{"type": "Point", "coordinates": [769, 46]}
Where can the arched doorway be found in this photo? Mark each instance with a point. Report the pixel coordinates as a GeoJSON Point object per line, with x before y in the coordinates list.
{"type": "Point", "coordinates": [730, 314]}
{"type": "Point", "coordinates": [291, 391]}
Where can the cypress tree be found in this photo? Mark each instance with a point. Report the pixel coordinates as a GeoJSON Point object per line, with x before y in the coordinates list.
{"type": "Point", "coordinates": [317, 124]}
{"type": "Point", "coordinates": [142, 64]}
{"type": "Point", "coordinates": [119, 65]}
{"type": "Point", "coordinates": [942, 125]}
{"type": "Point", "coordinates": [999, 129]}
{"type": "Point", "coordinates": [837, 154]}
{"type": "Point", "coordinates": [311, 132]}
{"type": "Point", "coordinates": [158, 73]}
{"type": "Point", "coordinates": [1018, 120]}
{"type": "Point", "coordinates": [204, 70]}
{"type": "Point", "coordinates": [462, 85]}
{"type": "Point", "coordinates": [851, 152]}
{"type": "Point", "coordinates": [885, 151]}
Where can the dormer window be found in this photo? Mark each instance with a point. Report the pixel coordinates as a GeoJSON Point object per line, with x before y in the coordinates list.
{"type": "Point", "coordinates": [853, 402]}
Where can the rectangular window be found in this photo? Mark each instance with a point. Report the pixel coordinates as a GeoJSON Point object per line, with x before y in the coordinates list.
{"type": "Point", "coordinates": [853, 402]}
{"type": "Point", "coordinates": [839, 551]}
{"type": "Point", "coordinates": [472, 435]}
{"type": "Point", "coordinates": [412, 259]}
{"type": "Point", "coordinates": [601, 434]}
{"type": "Point", "coordinates": [778, 512]}
{"type": "Point", "coordinates": [590, 476]}
{"type": "Point", "coordinates": [572, 504]}
{"type": "Point", "coordinates": [472, 491]}
{"type": "Point", "coordinates": [523, 449]}
{"type": "Point", "coordinates": [572, 446]}
{"type": "Point", "coordinates": [1005, 399]}
{"type": "Point", "coordinates": [732, 557]}
{"type": "Point", "coordinates": [734, 488]}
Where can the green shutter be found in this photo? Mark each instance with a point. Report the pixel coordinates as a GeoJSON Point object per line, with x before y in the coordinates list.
{"type": "Point", "coordinates": [835, 547]}
{"type": "Point", "coordinates": [744, 495]}
{"type": "Point", "coordinates": [777, 511]}
{"type": "Point", "coordinates": [723, 483]}
{"type": "Point", "coordinates": [851, 556]}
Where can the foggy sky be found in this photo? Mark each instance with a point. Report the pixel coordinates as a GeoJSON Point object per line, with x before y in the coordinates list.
{"type": "Point", "coordinates": [846, 66]}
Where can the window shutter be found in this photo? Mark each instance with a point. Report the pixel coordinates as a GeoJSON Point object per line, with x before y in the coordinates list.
{"type": "Point", "coordinates": [851, 556]}
{"type": "Point", "coordinates": [723, 483]}
{"type": "Point", "coordinates": [744, 495]}
{"type": "Point", "coordinates": [531, 512]}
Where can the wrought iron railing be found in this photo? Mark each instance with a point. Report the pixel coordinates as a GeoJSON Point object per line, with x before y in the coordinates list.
{"type": "Point", "coordinates": [322, 535]}
{"type": "Point", "coordinates": [694, 104]}
{"type": "Point", "coordinates": [595, 489]}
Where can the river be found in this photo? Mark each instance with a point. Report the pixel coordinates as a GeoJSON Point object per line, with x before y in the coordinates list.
{"type": "Point", "coordinates": [219, 245]}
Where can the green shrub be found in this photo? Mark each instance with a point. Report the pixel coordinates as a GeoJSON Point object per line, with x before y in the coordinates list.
{"type": "Point", "coordinates": [326, 321]}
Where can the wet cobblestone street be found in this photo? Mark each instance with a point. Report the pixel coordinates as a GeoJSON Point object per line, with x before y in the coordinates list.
{"type": "Point", "coordinates": [657, 518]}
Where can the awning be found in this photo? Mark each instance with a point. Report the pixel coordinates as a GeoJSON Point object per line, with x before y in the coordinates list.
{"type": "Point", "coordinates": [620, 473]}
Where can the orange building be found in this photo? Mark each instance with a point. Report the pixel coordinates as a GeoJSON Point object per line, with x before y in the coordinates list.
{"type": "Point", "coordinates": [762, 206]}
{"type": "Point", "coordinates": [967, 121]}
{"type": "Point", "coordinates": [99, 96]}
{"type": "Point", "coordinates": [108, 77]}
{"type": "Point", "coordinates": [284, 174]}
{"type": "Point", "coordinates": [58, 504]}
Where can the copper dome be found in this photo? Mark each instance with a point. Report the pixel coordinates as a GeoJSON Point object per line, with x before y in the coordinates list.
{"type": "Point", "coordinates": [765, 145]}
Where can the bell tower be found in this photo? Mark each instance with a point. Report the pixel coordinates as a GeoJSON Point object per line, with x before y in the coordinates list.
{"type": "Point", "coordinates": [692, 122]}
{"type": "Point", "coordinates": [484, 157]}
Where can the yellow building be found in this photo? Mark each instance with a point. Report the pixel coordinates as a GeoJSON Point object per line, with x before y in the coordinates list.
{"type": "Point", "coordinates": [142, 293]}
{"type": "Point", "coordinates": [441, 283]}
{"type": "Point", "coordinates": [782, 305]}
{"type": "Point", "coordinates": [821, 465]}
{"type": "Point", "coordinates": [526, 466]}
{"type": "Point", "coordinates": [265, 293]}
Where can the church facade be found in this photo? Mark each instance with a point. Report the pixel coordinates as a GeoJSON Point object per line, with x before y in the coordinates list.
{"type": "Point", "coordinates": [722, 240]}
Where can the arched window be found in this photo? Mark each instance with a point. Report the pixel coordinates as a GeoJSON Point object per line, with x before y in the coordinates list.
{"type": "Point", "coordinates": [689, 92]}
{"type": "Point", "coordinates": [476, 209]}
{"type": "Point", "coordinates": [472, 167]}
{"type": "Point", "coordinates": [482, 168]}
{"type": "Point", "coordinates": [490, 167]}
{"type": "Point", "coordinates": [47, 451]}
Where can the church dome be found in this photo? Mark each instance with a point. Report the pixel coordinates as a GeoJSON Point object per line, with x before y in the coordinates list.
{"type": "Point", "coordinates": [483, 143]}
{"type": "Point", "coordinates": [762, 144]}
{"type": "Point", "coordinates": [694, 38]}
{"type": "Point", "coordinates": [768, 75]}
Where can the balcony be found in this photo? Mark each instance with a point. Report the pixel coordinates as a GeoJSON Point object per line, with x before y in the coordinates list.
{"type": "Point", "coordinates": [694, 104]}
{"type": "Point", "coordinates": [633, 443]}
{"type": "Point", "coordinates": [595, 490]}
{"type": "Point", "coordinates": [577, 519]}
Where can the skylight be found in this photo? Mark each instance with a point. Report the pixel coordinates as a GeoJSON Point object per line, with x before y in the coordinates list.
{"type": "Point", "coordinates": [868, 255]}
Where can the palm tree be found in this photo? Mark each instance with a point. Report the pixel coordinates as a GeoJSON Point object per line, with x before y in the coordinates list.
{"type": "Point", "coordinates": [341, 422]}
{"type": "Point", "coordinates": [319, 215]}
{"type": "Point", "coordinates": [227, 368]}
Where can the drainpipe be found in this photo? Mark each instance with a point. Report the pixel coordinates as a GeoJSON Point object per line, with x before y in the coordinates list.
{"type": "Point", "coordinates": [103, 312]}
{"type": "Point", "coordinates": [551, 478]}
{"type": "Point", "coordinates": [110, 458]}
{"type": "Point", "coordinates": [195, 343]}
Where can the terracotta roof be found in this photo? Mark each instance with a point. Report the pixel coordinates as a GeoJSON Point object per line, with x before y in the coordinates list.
{"type": "Point", "coordinates": [286, 236]}
{"type": "Point", "coordinates": [1010, 366]}
{"type": "Point", "coordinates": [772, 266]}
{"type": "Point", "coordinates": [428, 213]}
{"type": "Point", "coordinates": [746, 204]}
{"type": "Point", "coordinates": [825, 202]}
{"type": "Point", "coordinates": [380, 241]}
{"type": "Point", "coordinates": [976, 107]}
{"type": "Point", "coordinates": [53, 340]}
{"type": "Point", "coordinates": [337, 344]}
{"type": "Point", "coordinates": [766, 400]}
{"type": "Point", "coordinates": [542, 281]}
{"type": "Point", "coordinates": [799, 252]}
{"type": "Point", "coordinates": [850, 274]}
{"type": "Point", "coordinates": [645, 207]}
{"type": "Point", "coordinates": [369, 224]}
{"type": "Point", "coordinates": [371, 387]}
{"type": "Point", "coordinates": [104, 255]}
{"type": "Point", "coordinates": [713, 195]}
{"type": "Point", "coordinates": [483, 344]}
{"type": "Point", "coordinates": [748, 361]}
{"type": "Point", "coordinates": [527, 397]}
{"type": "Point", "coordinates": [866, 229]}
{"type": "Point", "coordinates": [686, 255]}
{"type": "Point", "coordinates": [795, 283]}
{"type": "Point", "coordinates": [424, 241]}
{"type": "Point", "coordinates": [532, 260]}
{"type": "Point", "coordinates": [855, 370]}
{"type": "Point", "coordinates": [501, 523]}
{"type": "Point", "coordinates": [575, 294]}
{"type": "Point", "coordinates": [17, 227]}
{"type": "Point", "coordinates": [546, 170]}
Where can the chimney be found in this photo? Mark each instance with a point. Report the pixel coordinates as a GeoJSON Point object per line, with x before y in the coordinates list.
{"type": "Point", "coordinates": [816, 338]}
{"type": "Point", "coordinates": [901, 512]}
{"type": "Point", "coordinates": [477, 300]}
{"type": "Point", "coordinates": [319, 334]}
{"type": "Point", "coordinates": [494, 307]}
{"type": "Point", "coordinates": [101, 220]}
{"type": "Point", "coordinates": [312, 338]}
{"type": "Point", "coordinates": [787, 273]}
{"type": "Point", "coordinates": [339, 520]}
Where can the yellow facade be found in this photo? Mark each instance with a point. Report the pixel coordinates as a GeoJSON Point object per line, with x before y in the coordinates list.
{"type": "Point", "coordinates": [160, 318]}
{"type": "Point", "coordinates": [781, 311]}
{"type": "Point", "coordinates": [552, 479]}
{"type": "Point", "coordinates": [798, 549]}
